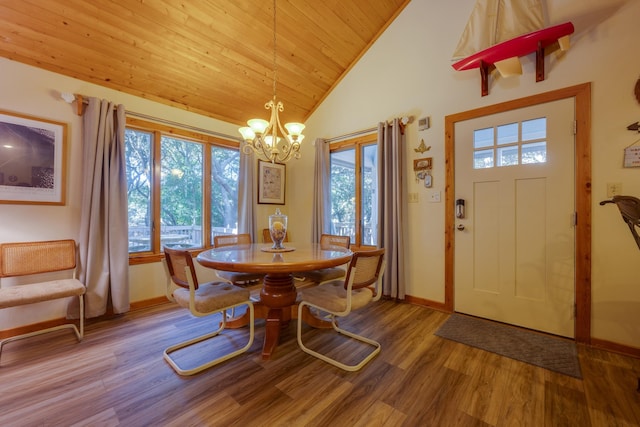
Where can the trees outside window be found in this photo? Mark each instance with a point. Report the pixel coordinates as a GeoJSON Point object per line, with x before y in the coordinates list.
{"type": "Point", "coordinates": [182, 188]}
{"type": "Point", "coordinates": [225, 169]}
{"type": "Point", "coordinates": [181, 193]}
{"type": "Point", "coordinates": [138, 154]}
{"type": "Point", "coordinates": [354, 190]}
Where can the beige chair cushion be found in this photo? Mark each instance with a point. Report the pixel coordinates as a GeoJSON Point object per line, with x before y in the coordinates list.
{"type": "Point", "coordinates": [42, 291]}
{"type": "Point", "coordinates": [212, 296]}
{"type": "Point", "coordinates": [332, 296]}
{"type": "Point", "coordinates": [324, 274]}
{"type": "Point", "coordinates": [240, 278]}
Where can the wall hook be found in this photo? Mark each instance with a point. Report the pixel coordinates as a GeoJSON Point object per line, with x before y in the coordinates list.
{"type": "Point", "coordinates": [422, 148]}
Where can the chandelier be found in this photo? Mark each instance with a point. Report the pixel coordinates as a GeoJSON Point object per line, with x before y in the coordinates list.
{"type": "Point", "coordinates": [263, 137]}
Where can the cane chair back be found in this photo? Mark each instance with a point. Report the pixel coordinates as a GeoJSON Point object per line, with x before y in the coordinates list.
{"type": "Point", "coordinates": [231, 240]}
{"type": "Point", "coordinates": [238, 279]}
{"type": "Point", "coordinates": [202, 299]}
{"type": "Point", "coordinates": [361, 286]}
{"type": "Point", "coordinates": [329, 241]}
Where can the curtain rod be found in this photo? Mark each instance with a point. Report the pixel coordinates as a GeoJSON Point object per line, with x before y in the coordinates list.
{"type": "Point", "coordinates": [351, 135]}
{"type": "Point", "coordinates": [181, 125]}
{"type": "Point", "coordinates": [81, 101]}
{"type": "Point", "coordinates": [403, 121]}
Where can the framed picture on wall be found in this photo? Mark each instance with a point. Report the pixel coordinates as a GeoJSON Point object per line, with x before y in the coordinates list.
{"type": "Point", "coordinates": [32, 160]}
{"type": "Point", "coordinates": [271, 183]}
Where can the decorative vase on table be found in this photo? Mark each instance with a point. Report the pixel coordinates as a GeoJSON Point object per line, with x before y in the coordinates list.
{"type": "Point", "coordinates": [277, 229]}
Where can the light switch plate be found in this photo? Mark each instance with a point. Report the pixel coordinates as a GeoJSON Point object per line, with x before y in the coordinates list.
{"type": "Point", "coordinates": [423, 123]}
{"type": "Point", "coordinates": [614, 189]}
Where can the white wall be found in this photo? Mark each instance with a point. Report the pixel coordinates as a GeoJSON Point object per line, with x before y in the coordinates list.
{"type": "Point", "coordinates": [407, 72]}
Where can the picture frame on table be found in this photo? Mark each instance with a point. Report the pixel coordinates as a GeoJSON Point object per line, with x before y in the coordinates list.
{"type": "Point", "coordinates": [33, 153]}
{"type": "Point", "coordinates": [271, 183]}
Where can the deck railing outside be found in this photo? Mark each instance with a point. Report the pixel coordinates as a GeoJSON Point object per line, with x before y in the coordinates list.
{"type": "Point", "coordinates": [173, 236]}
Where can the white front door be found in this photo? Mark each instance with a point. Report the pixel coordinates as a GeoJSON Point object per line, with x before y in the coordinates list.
{"type": "Point", "coordinates": [514, 248]}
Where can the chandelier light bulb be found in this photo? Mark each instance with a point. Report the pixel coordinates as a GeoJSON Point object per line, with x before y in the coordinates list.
{"type": "Point", "coordinates": [247, 133]}
{"type": "Point", "coordinates": [258, 126]}
{"type": "Point", "coordinates": [294, 129]}
{"type": "Point", "coordinates": [269, 141]}
{"type": "Point", "coordinates": [295, 138]}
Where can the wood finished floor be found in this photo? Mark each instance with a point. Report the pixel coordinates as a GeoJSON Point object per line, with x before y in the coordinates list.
{"type": "Point", "coordinates": [117, 377]}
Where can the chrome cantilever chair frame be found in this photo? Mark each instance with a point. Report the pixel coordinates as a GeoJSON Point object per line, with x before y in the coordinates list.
{"type": "Point", "coordinates": [229, 297]}
{"type": "Point", "coordinates": [352, 284]}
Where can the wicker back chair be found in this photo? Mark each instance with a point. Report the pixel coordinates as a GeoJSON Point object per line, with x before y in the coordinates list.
{"type": "Point", "coordinates": [239, 279]}
{"type": "Point", "coordinates": [34, 260]}
{"type": "Point", "coordinates": [361, 286]}
{"type": "Point", "coordinates": [328, 242]}
{"type": "Point", "coordinates": [231, 240]}
{"type": "Point", "coordinates": [629, 207]}
{"type": "Point", "coordinates": [202, 299]}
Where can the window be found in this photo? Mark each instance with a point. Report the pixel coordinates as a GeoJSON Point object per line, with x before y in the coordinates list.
{"type": "Point", "coordinates": [181, 196]}
{"type": "Point", "coordinates": [225, 170]}
{"type": "Point", "coordinates": [354, 190]}
{"type": "Point", "coordinates": [510, 144]}
{"type": "Point", "coordinates": [182, 188]}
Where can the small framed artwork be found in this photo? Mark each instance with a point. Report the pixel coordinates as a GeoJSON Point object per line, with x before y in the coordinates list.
{"type": "Point", "coordinates": [422, 164]}
{"type": "Point", "coordinates": [632, 156]}
{"type": "Point", "coordinates": [33, 151]}
{"type": "Point", "coordinates": [271, 183]}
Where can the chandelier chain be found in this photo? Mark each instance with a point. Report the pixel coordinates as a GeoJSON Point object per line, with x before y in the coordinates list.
{"type": "Point", "coordinates": [275, 66]}
{"type": "Point", "coordinates": [261, 136]}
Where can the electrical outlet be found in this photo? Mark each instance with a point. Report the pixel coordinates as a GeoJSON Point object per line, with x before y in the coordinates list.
{"type": "Point", "coordinates": [413, 197]}
{"type": "Point", "coordinates": [614, 189]}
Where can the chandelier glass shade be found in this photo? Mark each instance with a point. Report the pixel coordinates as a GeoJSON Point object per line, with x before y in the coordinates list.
{"type": "Point", "coordinates": [269, 140]}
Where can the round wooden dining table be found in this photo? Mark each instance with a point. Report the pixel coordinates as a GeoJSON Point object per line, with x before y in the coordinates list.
{"type": "Point", "coordinates": [277, 304]}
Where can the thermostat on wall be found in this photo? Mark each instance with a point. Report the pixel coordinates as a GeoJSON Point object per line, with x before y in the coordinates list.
{"type": "Point", "coordinates": [423, 123]}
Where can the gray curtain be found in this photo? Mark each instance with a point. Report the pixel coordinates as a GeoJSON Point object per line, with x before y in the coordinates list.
{"type": "Point", "coordinates": [247, 196]}
{"type": "Point", "coordinates": [321, 206]}
{"type": "Point", "coordinates": [103, 241]}
{"type": "Point", "coordinates": [391, 220]}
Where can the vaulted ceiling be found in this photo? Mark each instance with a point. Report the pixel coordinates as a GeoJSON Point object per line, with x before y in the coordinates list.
{"type": "Point", "coordinates": [213, 57]}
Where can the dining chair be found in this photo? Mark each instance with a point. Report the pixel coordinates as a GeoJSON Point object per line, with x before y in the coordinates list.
{"type": "Point", "coordinates": [202, 299]}
{"type": "Point", "coordinates": [231, 240]}
{"type": "Point", "coordinates": [237, 278]}
{"type": "Point", "coordinates": [629, 208]}
{"type": "Point", "coordinates": [361, 286]}
{"type": "Point", "coordinates": [326, 274]}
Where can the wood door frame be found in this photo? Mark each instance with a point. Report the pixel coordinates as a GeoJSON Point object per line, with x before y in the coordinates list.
{"type": "Point", "coordinates": [582, 95]}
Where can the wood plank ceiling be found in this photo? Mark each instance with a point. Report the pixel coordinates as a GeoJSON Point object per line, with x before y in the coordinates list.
{"type": "Point", "coordinates": [213, 57]}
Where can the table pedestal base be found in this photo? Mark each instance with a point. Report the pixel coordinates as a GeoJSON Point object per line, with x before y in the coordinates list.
{"type": "Point", "coordinates": [278, 307]}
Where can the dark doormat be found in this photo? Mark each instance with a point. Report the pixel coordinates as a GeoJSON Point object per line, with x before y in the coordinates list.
{"type": "Point", "coordinates": [546, 351]}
